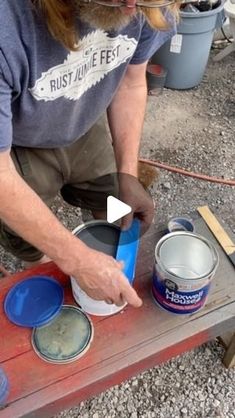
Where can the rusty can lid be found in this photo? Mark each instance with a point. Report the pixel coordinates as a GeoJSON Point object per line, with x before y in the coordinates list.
{"type": "Point", "coordinates": [66, 338]}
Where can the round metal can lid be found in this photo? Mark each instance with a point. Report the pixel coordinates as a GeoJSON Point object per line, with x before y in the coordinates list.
{"type": "Point", "coordinates": [34, 301]}
{"type": "Point", "coordinates": [66, 338]}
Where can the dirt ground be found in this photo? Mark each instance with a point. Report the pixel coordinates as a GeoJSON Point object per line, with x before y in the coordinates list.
{"type": "Point", "coordinates": [195, 130]}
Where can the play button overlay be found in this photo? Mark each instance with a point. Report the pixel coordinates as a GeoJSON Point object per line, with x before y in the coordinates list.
{"type": "Point", "coordinates": [116, 209]}
{"type": "Point", "coordinates": [109, 194]}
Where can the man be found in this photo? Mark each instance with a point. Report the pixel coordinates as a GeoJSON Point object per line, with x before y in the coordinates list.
{"type": "Point", "coordinates": [62, 66]}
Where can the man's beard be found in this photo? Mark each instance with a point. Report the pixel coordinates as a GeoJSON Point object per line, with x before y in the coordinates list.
{"type": "Point", "coordinates": [102, 17]}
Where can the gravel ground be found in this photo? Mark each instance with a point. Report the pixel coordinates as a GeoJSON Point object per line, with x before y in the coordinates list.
{"type": "Point", "coordinates": [193, 385]}
{"type": "Point", "coordinates": [194, 129]}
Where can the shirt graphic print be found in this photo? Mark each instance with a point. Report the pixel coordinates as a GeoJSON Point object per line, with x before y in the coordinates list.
{"type": "Point", "coordinates": [98, 54]}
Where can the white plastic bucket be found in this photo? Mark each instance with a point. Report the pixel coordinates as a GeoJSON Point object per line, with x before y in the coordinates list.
{"type": "Point", "coordinates": [89, 233]}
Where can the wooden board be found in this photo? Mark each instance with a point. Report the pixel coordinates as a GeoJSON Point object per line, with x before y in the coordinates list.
{"type": "Point", "coordinates": [225, 339]}
{"type": "Point", "coordinates": [229, 357]}
{"type": "Point", "coordinates": [218, 231]}
{"type": "Point", "coordinates": [124, 344]}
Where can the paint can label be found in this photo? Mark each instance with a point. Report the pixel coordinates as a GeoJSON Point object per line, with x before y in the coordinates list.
{"type": "Point", "coordinates": [169, 296]}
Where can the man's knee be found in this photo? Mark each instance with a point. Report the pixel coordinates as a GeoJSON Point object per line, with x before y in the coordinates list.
{"type": "Point", "coordinates": [14, 244]}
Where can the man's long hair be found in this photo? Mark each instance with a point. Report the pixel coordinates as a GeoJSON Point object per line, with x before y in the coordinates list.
{"type": "Point", "coordinates": [60, 17]}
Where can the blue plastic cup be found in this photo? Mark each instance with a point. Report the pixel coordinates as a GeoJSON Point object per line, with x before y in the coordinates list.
{"type": "Point", "coordinates": [4, 388]}
{"type": "Point", "coordinates": [180, 223]}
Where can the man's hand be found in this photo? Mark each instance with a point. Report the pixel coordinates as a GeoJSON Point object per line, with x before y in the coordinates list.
{"type": "Point", "coordinates": [133, 194]}
{"type": "Point", "coordinates": [101, 277]}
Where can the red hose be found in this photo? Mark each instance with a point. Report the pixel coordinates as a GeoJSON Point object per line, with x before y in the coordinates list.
{"type": "Point", "coordinates": [187, 173]}
{"type": "Point", "coordinates": [4, 271]}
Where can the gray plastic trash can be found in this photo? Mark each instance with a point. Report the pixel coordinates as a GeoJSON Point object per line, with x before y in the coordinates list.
{"type": "Point", "coordinates": [185, 56]}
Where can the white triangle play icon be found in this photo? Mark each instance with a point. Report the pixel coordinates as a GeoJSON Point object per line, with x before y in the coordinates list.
{"type": "Point", "coordinates": [116, 209]}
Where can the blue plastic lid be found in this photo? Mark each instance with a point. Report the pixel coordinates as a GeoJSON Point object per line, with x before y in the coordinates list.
{"type": "Point", "coordinates": [127, 249]}
{"type": "Point", "coordinates": [34, 302]}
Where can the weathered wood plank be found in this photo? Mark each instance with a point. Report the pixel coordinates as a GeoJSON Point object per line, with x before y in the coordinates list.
{"type": "Point", "coordinates": [225, 339]}
{"type": "Point", "coordinates": [217, 229]}
{"type": "Point", "coordinates": [229, 357]}
{"type": "Point", "coordinates": [18, 340]}
{"type": "Point", "coordinates": [84, 382]}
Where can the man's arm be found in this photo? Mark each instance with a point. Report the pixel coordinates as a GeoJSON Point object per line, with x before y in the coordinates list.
{"type": "Point", "coordinates": [25, 213]}
{"type": "Point", "coordinates": [99, 275]}
{"type": "Point", "coordinates": [126, 116]}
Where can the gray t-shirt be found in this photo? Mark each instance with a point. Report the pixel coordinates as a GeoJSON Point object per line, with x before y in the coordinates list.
{"type": "Point", "coordinates": [50, 96]}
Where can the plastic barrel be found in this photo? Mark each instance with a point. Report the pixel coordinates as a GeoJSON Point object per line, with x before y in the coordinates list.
{"type": "Point", "coordinates": [185, 56]}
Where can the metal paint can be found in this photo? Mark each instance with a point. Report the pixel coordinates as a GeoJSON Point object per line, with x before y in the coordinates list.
{"type": "Point", "coordinates": [101, 236]}
{"type": "Point", "coordinates": [185, 264]}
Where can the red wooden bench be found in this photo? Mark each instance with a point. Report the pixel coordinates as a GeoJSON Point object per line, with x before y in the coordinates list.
{"type": "Point", "coordinates": [123, 345]}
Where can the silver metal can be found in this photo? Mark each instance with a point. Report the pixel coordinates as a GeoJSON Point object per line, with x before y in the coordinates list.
{"type": "Point", "coordinates": [185, 264]}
